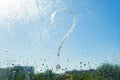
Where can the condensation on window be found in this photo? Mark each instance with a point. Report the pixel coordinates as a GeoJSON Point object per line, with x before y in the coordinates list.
{"type": "Point", "coordinates": [59, 40]}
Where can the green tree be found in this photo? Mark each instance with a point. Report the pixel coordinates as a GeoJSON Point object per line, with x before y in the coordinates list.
{"type": "Point", "coordinates": [47, 75]}
{"type": "Point", "coordinates": [109, 71]}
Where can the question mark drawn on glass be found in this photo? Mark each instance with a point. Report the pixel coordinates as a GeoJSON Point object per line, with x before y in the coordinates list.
{"type": "Point", "coordinates": [74, 22]}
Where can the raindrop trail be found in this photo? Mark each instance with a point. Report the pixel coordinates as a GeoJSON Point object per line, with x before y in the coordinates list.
{"type": "Point", "coordinates": [74, 22]}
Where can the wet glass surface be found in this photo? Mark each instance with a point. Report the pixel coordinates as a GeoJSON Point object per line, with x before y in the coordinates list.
{"type": "Point", "coordinates": [59, 40]}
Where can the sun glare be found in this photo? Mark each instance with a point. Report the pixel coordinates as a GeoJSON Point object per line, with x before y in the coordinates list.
{"type": "Point", "coordinates": [12, 8]}
{"type": "Point", "coordinates": [7, 5]}
{"type": "Point", "coordinates": [22, 10]}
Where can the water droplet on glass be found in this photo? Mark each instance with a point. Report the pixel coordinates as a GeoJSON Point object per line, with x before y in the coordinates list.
{"type": "Point", "coordinates": [80, 62]}
{"type": "Point", "coordinates": [84, 64]}
{"type": "Point", "coordinates": [12, 64]}
{"type": "Point", "coordinates": [58, 66]}
{"type": "Point", "coordinates": [68, 60]}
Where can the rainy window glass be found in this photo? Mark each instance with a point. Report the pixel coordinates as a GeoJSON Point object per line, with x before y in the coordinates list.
{"type": "Point", "coordinates": [59, 40]}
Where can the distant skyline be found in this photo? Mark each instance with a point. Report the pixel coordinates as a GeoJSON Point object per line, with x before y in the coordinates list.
{"type": "Point", "coordinates": [28, 38]}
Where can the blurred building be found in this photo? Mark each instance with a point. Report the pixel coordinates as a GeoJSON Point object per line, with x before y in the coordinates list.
{"type": "Point", "coordinates": [4, 73]}
{"type": "Point", "coordinates": [24, 69]}
{"type": "Point", "coordinates": [21, 72]}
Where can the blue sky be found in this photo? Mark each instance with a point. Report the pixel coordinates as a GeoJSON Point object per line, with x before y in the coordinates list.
{"type": "Point", "coordinates": [26, 35]}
